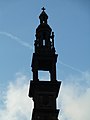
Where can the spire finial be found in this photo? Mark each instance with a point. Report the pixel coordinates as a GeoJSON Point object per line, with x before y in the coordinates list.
{"type": "Point", "coordinates": [43, 9]}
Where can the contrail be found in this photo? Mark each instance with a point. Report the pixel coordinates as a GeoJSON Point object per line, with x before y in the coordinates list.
{"type": "Point", "coordinates": [71, 67]}
{"type": "Point", "coordinates": [23, 43]}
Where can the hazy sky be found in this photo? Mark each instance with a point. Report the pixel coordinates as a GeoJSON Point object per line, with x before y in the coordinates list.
{"type": "Point", "coordinates": [70, 21]}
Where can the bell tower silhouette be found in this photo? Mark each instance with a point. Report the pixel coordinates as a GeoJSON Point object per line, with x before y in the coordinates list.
{"type": "Point", "coordinates": [44, 93]}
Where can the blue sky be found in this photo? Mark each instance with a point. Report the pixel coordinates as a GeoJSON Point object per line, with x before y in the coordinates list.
{"type": "Point", "coordinates": [70, 20]}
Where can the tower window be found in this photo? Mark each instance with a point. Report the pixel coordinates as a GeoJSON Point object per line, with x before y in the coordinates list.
{"type": "Point", "coordinates": [43, 42]}
{"type": "Point", "coordinates": [43, 21]}
{"type": "Point", "coordinates": [38, 45]}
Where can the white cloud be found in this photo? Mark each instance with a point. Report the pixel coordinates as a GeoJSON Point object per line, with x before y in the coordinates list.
{"type": "Point", "coordinates": [17, 104]}
{"type": "Point", "coordinates": [75, 98]}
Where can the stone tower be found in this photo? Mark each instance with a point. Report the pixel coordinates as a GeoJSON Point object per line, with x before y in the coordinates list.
{"type": "Point", "coordinates": [44, 93]}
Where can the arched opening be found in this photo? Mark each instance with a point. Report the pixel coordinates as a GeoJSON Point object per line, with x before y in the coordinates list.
{"type": "Point", "coordinates": [44, 42]}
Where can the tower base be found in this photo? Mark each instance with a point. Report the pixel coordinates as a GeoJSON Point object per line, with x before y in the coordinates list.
{"type": "Point", "coordinates": [44, 94]}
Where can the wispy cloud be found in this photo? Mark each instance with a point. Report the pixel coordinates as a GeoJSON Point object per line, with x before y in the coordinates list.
{"type": "Point", "coordinates": [75, 98]}
{"type": "Point", "coordinates": [73, 101]}
{"type": "Point", "coordinates": [17, 105]}
{"type": "Point", "coordinates": [17, 39]}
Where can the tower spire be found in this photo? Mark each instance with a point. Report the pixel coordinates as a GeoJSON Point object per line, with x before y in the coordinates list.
{"type": "Point", "coordinates": [44, 93]}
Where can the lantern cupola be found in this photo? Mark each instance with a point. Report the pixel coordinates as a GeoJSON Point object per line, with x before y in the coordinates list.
{"type": "Point", "coordinates": [43, 16]}
{"type": "Point", "coordinates": [44, 42]}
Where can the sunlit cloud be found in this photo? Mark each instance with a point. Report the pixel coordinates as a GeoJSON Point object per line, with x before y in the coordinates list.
{"type": "Point", "coordinates": [17, 104]}
{"type": "Point", "coordinates": [74, 98]}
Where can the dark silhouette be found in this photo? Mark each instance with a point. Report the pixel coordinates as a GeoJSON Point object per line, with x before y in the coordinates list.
{"type": "Point", "coordinates": [44, 93]}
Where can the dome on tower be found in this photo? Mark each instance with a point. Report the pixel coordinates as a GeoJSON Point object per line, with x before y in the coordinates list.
{"type": "Point", "coordinates": [43, 26]}
{"type": "Point", "coordinates": [43, 16]}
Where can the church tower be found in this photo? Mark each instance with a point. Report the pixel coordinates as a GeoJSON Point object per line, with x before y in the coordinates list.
{"type": "Point", "coordinates": [44, 93]}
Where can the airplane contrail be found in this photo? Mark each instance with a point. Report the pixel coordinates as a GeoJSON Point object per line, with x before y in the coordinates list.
{"type": "Point", "coordinates": [71, 67]}
{"type": "Point", "coordinates": [17, 39]}
{"type": "Point", "coordinates": [25, 44]}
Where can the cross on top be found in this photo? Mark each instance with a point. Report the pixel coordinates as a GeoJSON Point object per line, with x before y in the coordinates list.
{"type": "Point", "coordinates": [43, 9]}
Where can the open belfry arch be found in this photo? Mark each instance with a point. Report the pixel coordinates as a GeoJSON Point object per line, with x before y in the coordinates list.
{"type": "Point", "coordinates": [44, 93]}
